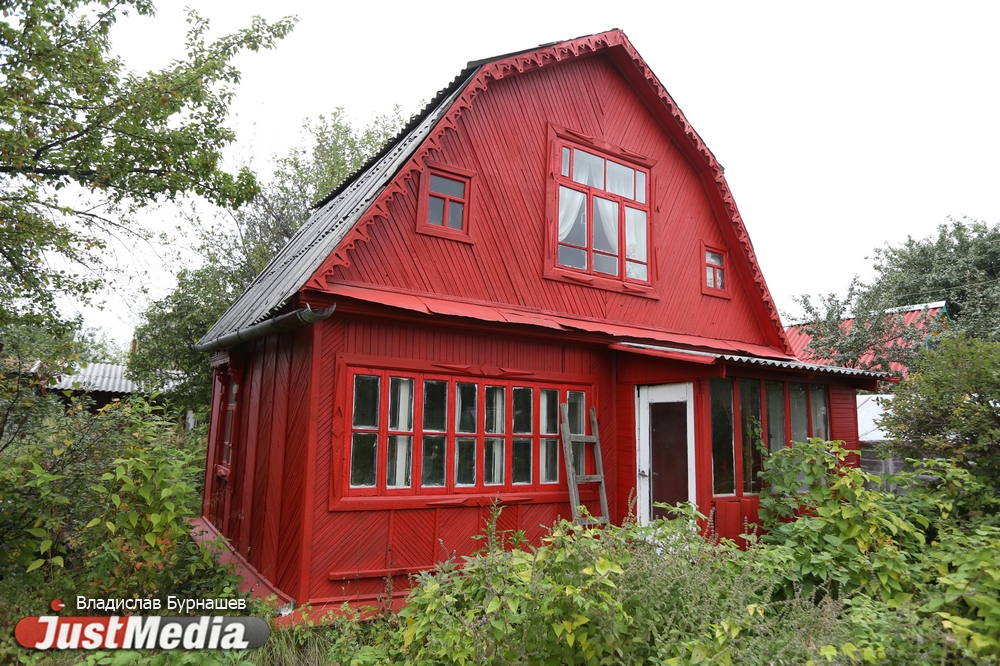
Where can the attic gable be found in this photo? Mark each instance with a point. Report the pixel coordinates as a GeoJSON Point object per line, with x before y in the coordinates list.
{"type": "Point", "coordinates": [332, 232]}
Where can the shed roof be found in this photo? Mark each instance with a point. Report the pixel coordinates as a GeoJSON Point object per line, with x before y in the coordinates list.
{"type": "Point", "coordinates": [106, 377]}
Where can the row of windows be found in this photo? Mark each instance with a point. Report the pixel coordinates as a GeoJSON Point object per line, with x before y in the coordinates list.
{"type": "Point", "coordinates": [428, 433]}
{"type": "Point", "coordinates": [603, 216]}
{"type": "Point", "coordinates": [776, 413]}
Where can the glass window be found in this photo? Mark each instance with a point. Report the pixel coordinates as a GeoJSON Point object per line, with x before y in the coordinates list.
{"type": "Point", "coordinates": [775, 415]}
{"type": "Point", "coordinates": [820, 416]}
{"type": "Point", "coordinates": [435, 405]}
{"type": "Point", "coordinates": [577, 401]}
{"type": "Point", "coordinates": [549, 417]}
{"type": "Point", "coordinates": [398, 468]}
{"type": "Point", "coordinates": [800, 417]}
{"type": "Point", "coordinates": [364, 449]}
{"type": "Point", "coordinates": [465, 408]}
{"type": "Point", "coordinates": [750, 430]}
{"type": "Point", "coordinates": [365, 401]}
{"type": "Point", "coordinates": [493, 461]}
{"type": "Point", "coordinates": [522, 410]}
{"type": "Point", "coordinates": [446, 199]}
{"type": "Point", "coordinates": [495, 403]}
{"type": "Point", "coordinates": [432, 463]}
{"type": "Point", "coordinates": [599, 191]}
{"type": "Point", "coordinates": [400, 447]}
{"type": "Point", "coordinates": [723, 465]}
{"type": "Point", "coordinates": [522, 460]}
{"type": "Point", "coordinates": [715, 270]}
{"type": "Point", "coordinates": [465, 461]}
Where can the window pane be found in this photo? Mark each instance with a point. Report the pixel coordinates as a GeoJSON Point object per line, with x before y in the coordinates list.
{"type": "Point", "coordinates": [588, 169]}
{"type": "Point", "coordinates": [572, 217]}
{"type": "Point", "coordinates": [820, 422]}
{"type": "Point", "coordinates": [709, 276]}
{"type": "Point", "coordinates": [800, 419]}
{"type": "Point", "coordinates": [719, 282]}
{"type": "Point", "coordinates": [400, 403]}
{"type": "Point", "coordinates": [435, 405]}
{"type": "Point", "coordinates": [365, 401]}
{"type": "Point", "coordinates": [713, 258]}
{"type": "Point", "coordinates": [495, 408]}
{"type": "Point", "coordinates": [522, 461]}
{"type": "Point", "coordinates": [465, 408]}
{"type": "Point", "coordinates": [522, 410]}
{"type": "Point", "coordinates": [635, 271]}
{"type": "Point", "coordinates": [432, 463]}
{"type": "Point", "coordinates": [549, 463]}
{"type": "Point", "coordinates": [579, 457]}
{"type": "Point", "coordinates": [233, 388]}
{"type": "Point", "coordinates": [435, 211]}
{"type": "Point", "coordinates": [750, 431]}
{"type": "Point", "coordinates": [453, 188]}
{"type": "Point", "coordinates": [621, 180]}
{"type": "Point", "coordinates": [465, 461]}
{"type": "Point", "coordinates": [605, 225]}
{"type": "Point", "coordinates": [227, 438]}
{"type": "Point", "coordinates": [723, 466]}
{"type": "Point", "coordinates": [577, 412]}
{"type": "Point", "coordinates": [572, 257]}
{"type": "Point", "coordinates": [635, 234]}
{"type": "Point", "coordinates": [363, 452]}
{"type": "Point", "coordinates": [605, 264]}
{"type": "Point", "coordinates": [549, 411]}
{"type": "Point", "coordinates": [775, 415]}
{"type": "Point", "coordinates": [493, 461]}
{"type": "Point", "coordinates": [565, 161]}
{"type": "Point", "coordinates": [397, 472]}
{"type": "Point", "coordinates": [455, 214]}
{"type": "Point", "coordinates": [640, 187]}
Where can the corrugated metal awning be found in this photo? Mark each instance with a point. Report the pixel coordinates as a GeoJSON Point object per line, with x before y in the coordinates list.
{"type": "Point", "coordinates": [692, 356]}
{"type": "Point", "coordinates": [106, 377]}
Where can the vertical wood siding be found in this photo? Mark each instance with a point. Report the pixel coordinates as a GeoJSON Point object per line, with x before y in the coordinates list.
{"type": "Point", "coordinates": [504, 139]}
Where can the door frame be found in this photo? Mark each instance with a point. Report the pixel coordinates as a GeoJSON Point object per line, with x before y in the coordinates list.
{"type": "Point", "coordinates": [681, 392]}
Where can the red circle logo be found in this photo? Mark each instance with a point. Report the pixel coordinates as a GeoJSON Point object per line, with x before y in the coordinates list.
{"type": "Point", "coordinates": [57, 605]}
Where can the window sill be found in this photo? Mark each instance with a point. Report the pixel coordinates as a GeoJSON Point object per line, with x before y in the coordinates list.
{"type": "Point", "coordinates": [717, 293]}
{"type": "Point", "coordinates": [381, 503]}
{"type": "Point", "coordinates": [569, 276]}
{"type": "Point", "coordinates": [445, 232]}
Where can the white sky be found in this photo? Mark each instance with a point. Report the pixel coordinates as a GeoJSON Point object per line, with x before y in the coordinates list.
{"type": "Point", "coordinates": [842, 126]}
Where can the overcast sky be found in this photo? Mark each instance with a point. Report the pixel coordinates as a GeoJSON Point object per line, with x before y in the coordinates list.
{"type": "Point", "coordinates": [842, 126]}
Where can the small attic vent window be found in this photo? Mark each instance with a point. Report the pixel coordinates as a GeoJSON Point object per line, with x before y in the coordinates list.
{"type": "Point", "coordinates": [445, 198]}
{"type": "Point", "coordinates": [716, 281]}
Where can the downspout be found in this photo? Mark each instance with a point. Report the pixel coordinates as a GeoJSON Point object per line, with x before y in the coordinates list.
{"type": "Point", "coordinates": [286, 322]}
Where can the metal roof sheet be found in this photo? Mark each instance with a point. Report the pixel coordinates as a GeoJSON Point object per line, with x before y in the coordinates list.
{"type": "Point", "coordinates": [333, 219]}
{"type": "Point", "coordinates": [105, 377]}
{"type": "Point", "coordinates": [674, 352]}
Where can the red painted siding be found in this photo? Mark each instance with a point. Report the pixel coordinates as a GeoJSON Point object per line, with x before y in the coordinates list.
{"type": "Point", "coordinates": [504, 139]}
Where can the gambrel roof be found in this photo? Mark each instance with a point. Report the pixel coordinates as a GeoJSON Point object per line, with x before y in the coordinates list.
{"type": "Point", "coordinates": [342, 218]}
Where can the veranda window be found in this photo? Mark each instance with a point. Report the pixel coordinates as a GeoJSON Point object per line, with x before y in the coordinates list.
{"type": "Point", "coordinates": [767, 411]}
{"type": "Point", "coordinates": [414, 433]}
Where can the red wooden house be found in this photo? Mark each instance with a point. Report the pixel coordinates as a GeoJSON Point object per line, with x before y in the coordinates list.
{"type": "Point", "coordinates": [550, 229]}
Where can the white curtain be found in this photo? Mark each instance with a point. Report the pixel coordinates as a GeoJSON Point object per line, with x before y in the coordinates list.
{"type": "Point", "coordinates": [570, 203]}
{"type": "Point", "coordinates": [635, 234]}
{"type": "Point", "coordinates": [621, 180]}
{"type": "Point", "coordinates": [606, 213]}
{"type": "Point", "coordinates": [588, 169]}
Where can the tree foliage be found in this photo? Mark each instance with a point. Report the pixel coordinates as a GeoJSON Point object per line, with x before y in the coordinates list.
{"type": "Point", "coordinates": [240, 244]}
{"type": "Point", "coordinates": [84, 142]}
{"type": "Point", "coordinates": [960, 265]}
{"type": "Point", "coordinates": [949, 405]}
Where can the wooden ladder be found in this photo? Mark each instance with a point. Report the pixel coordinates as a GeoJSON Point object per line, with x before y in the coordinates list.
{"type": "Point", "coordinates": [572, 478]}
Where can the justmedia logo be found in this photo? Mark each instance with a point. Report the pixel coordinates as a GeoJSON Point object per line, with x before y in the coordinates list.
{"type": "Point", "coordinates": [141, 633]}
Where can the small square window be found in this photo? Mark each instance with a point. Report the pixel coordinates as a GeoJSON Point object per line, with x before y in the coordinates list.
{"type": "Point", "coordinates": [716, 281]}
{"type": "Point", "coordinates": [444, 206]}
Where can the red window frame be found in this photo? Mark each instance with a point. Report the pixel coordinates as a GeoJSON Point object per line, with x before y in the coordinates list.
{"type": "Point", "coordinates": [561, 138]}
{"type": "Point", "coordinates": [416, 489]}
{"type": "Point", "coordinates": [706, 265]}
{"type": "Point", "coordinates": [449, 172]}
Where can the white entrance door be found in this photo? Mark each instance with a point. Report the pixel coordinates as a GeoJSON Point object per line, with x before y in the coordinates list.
{"type": "Point", "coordinates": [665, 447]}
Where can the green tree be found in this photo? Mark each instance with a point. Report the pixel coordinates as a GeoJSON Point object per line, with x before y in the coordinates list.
{"type": "Point", "coordinates": [239, 244]}
{"type": "Point", "coordinates": [85, 143]}
{"type": "Point", "coordinates": [949, 405]}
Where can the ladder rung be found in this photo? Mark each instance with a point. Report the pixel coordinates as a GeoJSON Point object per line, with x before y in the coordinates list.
{"type": "Point", "coordinates": [582, 438]}
{"type": "Point", "coordinates": [594, 520]}
{"type": "Point", "coordinates": [590, 478]}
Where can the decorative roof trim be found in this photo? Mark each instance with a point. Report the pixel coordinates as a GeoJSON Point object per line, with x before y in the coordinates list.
{"type": "Point", "coordinates": [711, 171]}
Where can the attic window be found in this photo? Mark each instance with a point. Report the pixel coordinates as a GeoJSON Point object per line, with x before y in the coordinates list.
{"type": "Point", "coordinates": [716, 281]}
{"type": "Point", "coordinates": [599, 215]}
{"type": "Point", "coordinates": [445, 200]}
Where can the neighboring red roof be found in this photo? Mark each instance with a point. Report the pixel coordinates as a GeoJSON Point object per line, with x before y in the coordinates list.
{"type": "Point", "coordinates": [799, 340]}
